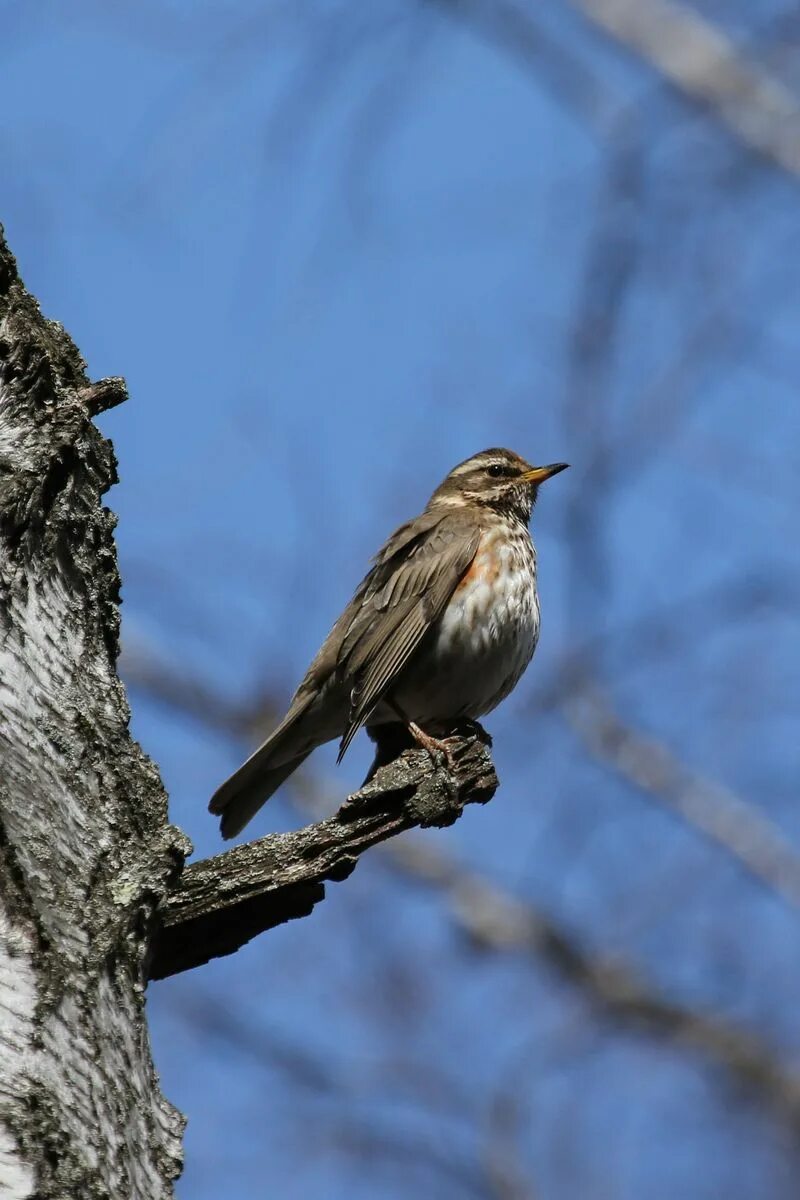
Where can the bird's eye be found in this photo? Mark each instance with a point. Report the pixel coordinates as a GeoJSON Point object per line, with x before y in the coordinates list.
{"type": "Point", "coordinates": [497, 471]}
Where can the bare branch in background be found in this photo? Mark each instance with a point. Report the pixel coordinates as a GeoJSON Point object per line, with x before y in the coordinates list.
{"type": "Point", "coordinates": [494, 921]}
{"type": "Point", "coordinates": [687, 50]}
{"type": "Point", "coordinates": [731, 824]}
{"type": "Point", "coordinates": [549, 61]}
{"type": "Point", "coordinates": [504, 1167]}
{"type": "Point", "coordinates": [698, 59]}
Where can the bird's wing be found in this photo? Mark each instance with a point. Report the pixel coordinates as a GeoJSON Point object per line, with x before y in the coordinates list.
{"type": "Point", "coordinates": [402, 598]}
{"type": "Point", "coordinates": [334, 650]}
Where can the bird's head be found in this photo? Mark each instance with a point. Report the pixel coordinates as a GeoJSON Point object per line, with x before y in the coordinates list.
{"type": "Point", "coordinates": [497, 479]}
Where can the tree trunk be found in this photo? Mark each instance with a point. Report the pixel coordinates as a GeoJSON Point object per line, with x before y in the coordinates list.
{"type": "Point", "coordinates": [86, 855]}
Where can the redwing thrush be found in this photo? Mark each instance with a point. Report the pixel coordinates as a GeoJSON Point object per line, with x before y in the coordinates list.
{"type": "Point", "coordinates": [440, 629]}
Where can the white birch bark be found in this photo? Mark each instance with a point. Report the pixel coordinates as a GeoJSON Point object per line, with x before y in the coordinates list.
{"type": "Point", "coordinates": [86, 854]}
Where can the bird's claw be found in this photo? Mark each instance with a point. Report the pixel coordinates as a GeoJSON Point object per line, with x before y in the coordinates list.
{"type": "Point", "coordinates": [439, 749]}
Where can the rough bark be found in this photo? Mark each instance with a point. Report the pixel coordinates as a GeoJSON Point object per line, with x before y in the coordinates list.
{"type": "Point", "coordinates": [85, 851]}
{"type": "Point", "coordinates": [219, 904]}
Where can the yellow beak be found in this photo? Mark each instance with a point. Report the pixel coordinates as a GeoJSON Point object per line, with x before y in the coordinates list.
{"type": "Point", "coordinates": [537, 475]}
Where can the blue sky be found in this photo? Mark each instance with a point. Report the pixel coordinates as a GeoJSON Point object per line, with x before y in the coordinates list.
{"type": "Point", "coordinates": [333, 252]}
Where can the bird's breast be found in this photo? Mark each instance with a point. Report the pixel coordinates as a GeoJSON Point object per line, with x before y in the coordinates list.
{"type": "Point", "coordinates": [488, 631]}
{"type": "Point", "coordinates": [496, 603]}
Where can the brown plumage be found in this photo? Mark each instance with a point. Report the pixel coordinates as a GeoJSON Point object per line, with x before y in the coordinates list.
{"type": "Point", "coordinates": [441, 628]}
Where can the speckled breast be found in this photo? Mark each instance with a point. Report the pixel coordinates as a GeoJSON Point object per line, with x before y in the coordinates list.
{"type": "Point", "coordinates": [486, 636]}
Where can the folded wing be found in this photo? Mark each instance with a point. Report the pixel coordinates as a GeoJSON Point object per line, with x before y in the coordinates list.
{"type": "Point", "coordinates": [399, 606]}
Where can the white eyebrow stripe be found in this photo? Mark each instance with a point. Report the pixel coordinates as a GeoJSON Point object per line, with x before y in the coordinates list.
{"type": "Point", "coordinates": [475, 464]}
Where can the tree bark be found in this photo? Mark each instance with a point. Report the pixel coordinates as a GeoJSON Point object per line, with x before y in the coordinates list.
{"type": "Point", "coordinates": [86, 854]}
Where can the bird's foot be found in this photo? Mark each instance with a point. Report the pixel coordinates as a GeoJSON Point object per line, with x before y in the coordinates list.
{"type": "Point", "coordinates": [438, 748]}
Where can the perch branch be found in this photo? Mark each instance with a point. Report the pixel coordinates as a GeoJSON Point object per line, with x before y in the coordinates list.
{"type": "Point", "coordinates": [222, 902]}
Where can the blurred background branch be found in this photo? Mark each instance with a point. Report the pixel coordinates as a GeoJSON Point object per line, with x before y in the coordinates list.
{"type": "Point", "coordinates": [699, 59]}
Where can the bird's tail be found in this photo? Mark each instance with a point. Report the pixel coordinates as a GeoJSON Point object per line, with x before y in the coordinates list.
{"type": "Point", "coordinates": [240, 797]}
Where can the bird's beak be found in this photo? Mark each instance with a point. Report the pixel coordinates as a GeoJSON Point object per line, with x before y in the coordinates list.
{"type": "Point", "coordinates": [537, 475]}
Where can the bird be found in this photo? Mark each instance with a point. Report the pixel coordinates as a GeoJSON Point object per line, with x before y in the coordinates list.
{"type": "Point", "coordinates": [440, 630]}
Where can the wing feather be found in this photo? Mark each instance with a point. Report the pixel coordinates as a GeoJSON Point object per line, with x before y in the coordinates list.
{"type": "Point", "coordinates": [395, 616]}
{"type": "Point", "coordinates": [329, 665]}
